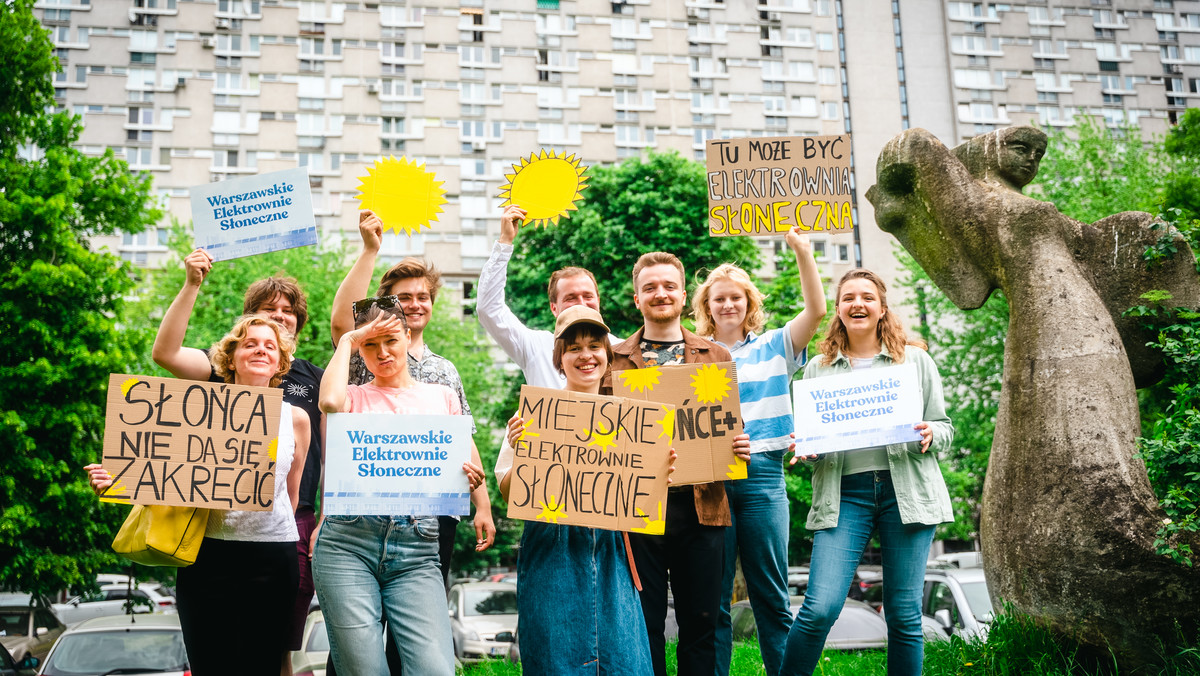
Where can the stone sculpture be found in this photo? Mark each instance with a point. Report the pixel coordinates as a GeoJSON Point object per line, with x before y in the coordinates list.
{"type": "Point", "coordinates": [1069, 518]}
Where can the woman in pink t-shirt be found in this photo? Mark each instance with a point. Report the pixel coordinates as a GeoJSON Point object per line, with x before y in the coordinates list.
{"type": "Point", "coordinates": [367, 567]}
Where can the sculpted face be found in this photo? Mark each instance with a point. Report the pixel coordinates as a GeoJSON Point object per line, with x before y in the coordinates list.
{"type": "Point", "coordinates": [1018, 161]}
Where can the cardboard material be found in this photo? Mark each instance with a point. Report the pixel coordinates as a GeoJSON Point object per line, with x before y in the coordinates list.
{"type": "Point", "coordinates": [383, 464]}
{"type": "Point", "coordinates": [708, 415]}
{"type": "Point", "coordinates": [762, 187]}
{"type": "Point", "coordinates": [405, 195]}
{"type": "Point", "coordinates": [254, 215]}
{"type": "Point", "coordinates": [860, 409]}
{"type": "Point", "coordinates": [591, 460]}
{"type": "Point", "coordinates": [546, 186]}
{"type": "Point", "coordinates": [189, 443]}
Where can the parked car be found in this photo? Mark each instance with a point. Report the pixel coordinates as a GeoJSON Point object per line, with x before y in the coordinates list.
{"type": "Point", "coordinates": [313, 654]}
{"type": "Point", "coordinates": [26, 630]}
{"type": "Point", "coordinates": [858, 627]}
{"type": "Point", "coordinates": [11, 667]}
{"type": "Point", "coordinates": [960, 560]}
{"type": "Point", "coordinates": [956, 603]}
{"type": "Point", "coordinates": [133, 644]}
{"type": "Point", "coordinates": [111, 599]}
{"type": "Point", "coordinates": [478, 612]}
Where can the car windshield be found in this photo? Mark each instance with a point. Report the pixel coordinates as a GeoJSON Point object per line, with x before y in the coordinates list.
{"type": "Point", "coordinates": [318, 640]}
{"type": "Point", "coordinates": [490, 602]}
{"type": "Point", "coordinates": [127, 650]}
{"type": "Point", "coordinates": [977, 599]}
{"type": "Point", "coordinates": [14, 622]}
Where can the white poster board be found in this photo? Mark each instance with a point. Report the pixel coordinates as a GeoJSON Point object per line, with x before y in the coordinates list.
{"type": "Point", "coordinates": [860, 409]}
{"type": "Point", "coordinates": [254, 215]}
{"type": "Point", "coordinates": [387, 464]}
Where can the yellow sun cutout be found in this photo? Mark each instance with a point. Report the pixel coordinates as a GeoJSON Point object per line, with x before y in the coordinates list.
{"type": "Point", "coordinates": [402, 193]}
{"type": "Point", "coordinates": [653, 526]}
{"type": "Point", "coordinates": [668, 424]}
{"type": "Point", "coordinates": [273, 449]}
{"type": "Point", "coordinates": [641, 380]}
{"type": "Point", "coordinates": [737, 470]}
{"type": "Point", "coordinates": [603, 441]}
{"type": "Point", "coordinates": [128, 385]}
{"type": "Point", "coordinates": [546, 186]}
{"type": "Point", "coordinates": [710, 384]}
{"type": "Point", "coordinates": [552, 512]}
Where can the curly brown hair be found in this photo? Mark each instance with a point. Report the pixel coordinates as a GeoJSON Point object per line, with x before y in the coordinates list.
{"type": "Point", "coordinates": [889, 330]}
{"type": "Point", "coordinates": [221, 353]}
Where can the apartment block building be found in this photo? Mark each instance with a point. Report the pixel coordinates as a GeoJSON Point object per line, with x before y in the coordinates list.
{"type": "Point", "coordinates": [197, 91]}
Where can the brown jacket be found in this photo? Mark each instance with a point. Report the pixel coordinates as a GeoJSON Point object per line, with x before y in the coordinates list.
{"type": "Point", "coordinates": [712, 507]}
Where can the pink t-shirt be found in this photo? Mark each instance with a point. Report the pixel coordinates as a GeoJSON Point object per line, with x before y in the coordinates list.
{"type": "Point", "coordinates": [420, 399]}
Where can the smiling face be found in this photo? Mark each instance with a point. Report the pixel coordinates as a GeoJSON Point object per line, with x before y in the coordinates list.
{"type": "Point", "coordinates": [659, 293]}
{"type": "Point", "coordinates": [415, 300]}
{"type": "Point", "coordinates": [727, 304]}
{"type": "Point", "coordinates": [860, 306]}
{"type": "Point", "coordinates": [575, 290]}
{"type": "Point", "coordinates": [584, 361]}
{"type": "Point", "coordinates": [281, 311]}
{"type": "Point", "coordinates": [385, 356]}
{"type": "Point", "coordinates": [256, 357]}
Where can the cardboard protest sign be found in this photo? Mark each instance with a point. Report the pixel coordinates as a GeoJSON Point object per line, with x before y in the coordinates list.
{"type": "Point", "coordinates": [708, 415]}
{"type": "Point", "coordinates": [254, 215]}
{"type": "Point", "coordinates": [546, 186]}
{"type": "Point", "coordinates": [405, 195]}
{"type": "Point", "coordinates": [591, 460]}
{"type": "Point", "coordinates": [383, 464]}
{"type": "Point", "coordinates": [764, 186]}
{"type": "Point", "coordinates": [191, 444]}
{"type": "Point", "coordinates": [860, 409]}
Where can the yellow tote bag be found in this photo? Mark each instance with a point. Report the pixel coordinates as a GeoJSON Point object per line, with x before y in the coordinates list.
{"type": "Point", "coordinates": [161, 535]}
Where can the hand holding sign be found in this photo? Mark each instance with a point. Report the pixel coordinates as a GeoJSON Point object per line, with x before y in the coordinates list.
{"type": "Point", "coordinates": [860, 409]}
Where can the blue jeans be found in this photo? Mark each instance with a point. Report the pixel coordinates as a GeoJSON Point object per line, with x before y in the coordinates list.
{"type": "Point", "coordinates": [579, 611]}
{"type": "Point", "coordinates": [759, 506]}
{"type": "Point", "coordinates": [868, 503]}
{"type": "Point", "coordinates": [368, 567]}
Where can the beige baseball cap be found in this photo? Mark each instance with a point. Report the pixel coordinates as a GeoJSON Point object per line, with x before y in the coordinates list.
{"type": "Point", "coordinates": [577, 314]}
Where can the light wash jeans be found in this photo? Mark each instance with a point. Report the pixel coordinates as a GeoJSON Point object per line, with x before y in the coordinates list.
{"type": "Point", "coordinates": [868, 503]}
{"type": "Point", "coordinates": [579, 611]}
{"type": "Point", "coordinates": [759, 507]}
{"type": "Point", "coordinates": [368, 567]}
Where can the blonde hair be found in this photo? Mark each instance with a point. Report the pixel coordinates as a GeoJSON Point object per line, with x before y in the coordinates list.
{"type": "Point", "coordinates": [755, 317]}
{"type": "Point", "coordinates": [889, 330]}
{"type": "Point", "coordinates": [221, 353]}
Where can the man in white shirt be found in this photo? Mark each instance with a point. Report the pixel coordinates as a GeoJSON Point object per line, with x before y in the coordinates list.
{"type": "Point", "coordinates": [531, 349]}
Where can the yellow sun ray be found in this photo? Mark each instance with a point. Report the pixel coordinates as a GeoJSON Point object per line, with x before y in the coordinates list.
{"type": "Point", "coordinates": [118, 488]}
{"type": "Point", "coordinates": [603, 441]}
{"type": "Point", "coordinates": [552, 512]}
{"type": "Point", "coordinates": [273, 449]}
{"type": "Point", "coordinates": [641, 380]}
{"type": "Point", "coordinates": [710, 384]}
{"type": "Point", "coordinates": [128, 385]}
{"type": "Point", "coordinates": [668, 424]}
{"type": "Point", "coordinates": [546, 186]}
{"type": "Point", "coordinates": [737, 470]}
{"type": "Point", "coordinates": [528, 431]}
{"type": "Point", "coordinates": [402, 193]}
{"type": "Point", "coordinates": [653, 526]}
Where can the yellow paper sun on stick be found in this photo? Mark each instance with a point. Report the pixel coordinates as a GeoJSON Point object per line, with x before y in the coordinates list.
{"type": "Point", "coordinates": [402, 193]}
{"type": "Point", "coordinates": [546, 186]}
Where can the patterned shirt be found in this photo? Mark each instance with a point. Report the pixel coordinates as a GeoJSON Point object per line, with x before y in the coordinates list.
{"type": "Point", "coordinates": [662, 353]}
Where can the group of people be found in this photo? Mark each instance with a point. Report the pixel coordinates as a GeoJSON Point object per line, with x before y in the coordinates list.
{"type": "Point", "coordinates": [589, 600]}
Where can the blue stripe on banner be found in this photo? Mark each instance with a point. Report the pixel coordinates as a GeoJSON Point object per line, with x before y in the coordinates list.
{"type": "Point", "coordinates": [759, 389]}
{"type": "Point", "coordinates": [265, 243]}
{"type": "Point", "coordinates": [364, 503]}
{"type": "Point", "coordinates": [867, 438]}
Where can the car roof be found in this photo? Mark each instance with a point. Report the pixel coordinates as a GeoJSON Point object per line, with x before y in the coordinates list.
{"type": "Point", "coordinates": [15, 600]}
{"type": "Point", "coordinates": [145, 621]}
{"type": "Point", "coordinates": [960, 574]}
{"type": "Point", "coordinates": [486, 586]}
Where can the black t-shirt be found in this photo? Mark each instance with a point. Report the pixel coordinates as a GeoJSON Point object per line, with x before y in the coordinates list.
{"type": "Point", "coordinates": [301, 388]}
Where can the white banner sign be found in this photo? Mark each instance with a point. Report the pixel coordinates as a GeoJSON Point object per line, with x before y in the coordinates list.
{"type": "Point", "coordinates": [388, 464]}
{"type": "Point", "coordinates": [861, 409]}
{"type": "Point", "coordinates": [254, 215]}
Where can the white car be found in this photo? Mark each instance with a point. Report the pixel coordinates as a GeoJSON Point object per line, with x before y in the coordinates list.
{"type": "Point", "coordinates": [111, 599]}
{"type": "Point", "coordinates": [478, 612]}
{"type": "Point", "coordinates": [955, 603]}
{"type": "Point", "coordinates": [120, 645]}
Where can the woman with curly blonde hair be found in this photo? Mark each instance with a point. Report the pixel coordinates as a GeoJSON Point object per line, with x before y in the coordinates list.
{"type": "Point", "coordinates": [729, 310]}
{"type": "Point", "coordinates": [245, 554]}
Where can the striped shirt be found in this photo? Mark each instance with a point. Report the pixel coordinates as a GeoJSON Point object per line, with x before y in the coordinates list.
{"type": "Point", "coordinates": [765, 366]}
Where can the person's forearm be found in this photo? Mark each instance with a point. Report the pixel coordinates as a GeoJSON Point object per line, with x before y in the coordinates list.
{"type": "Point", "coordinates": [805, 325]}
{"type": "Point", "coordinates": [355, 286]}
{"type": "Point", "coordinates": [168, 351]}
{"type": "Point", "coordinates": [334, 383]}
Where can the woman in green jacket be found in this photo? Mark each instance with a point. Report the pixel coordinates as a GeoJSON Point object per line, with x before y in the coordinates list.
{"type": "Point", "coordinates": [896, 490]}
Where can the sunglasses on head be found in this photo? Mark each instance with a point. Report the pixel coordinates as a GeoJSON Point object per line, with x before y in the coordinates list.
{"type": "Point", "coordinates": [362, 307]}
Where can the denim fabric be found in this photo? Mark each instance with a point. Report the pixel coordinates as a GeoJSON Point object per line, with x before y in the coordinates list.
{"type": "Point", "coordinates": [760, 532]}
{"type": "Point", "coordinates": [579, 612]}
{"type": "Point", "coordinates": [372, 567]}
{"type": "Point", "coordinates": [868, 503]}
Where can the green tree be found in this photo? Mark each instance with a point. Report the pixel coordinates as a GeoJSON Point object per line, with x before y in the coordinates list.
{"type": "Point", "coordinates": [658, 203]}
{"type": "Point", "coordinates": [1182, 146]}
{"type": "Point", "coordinates": [59, 302]}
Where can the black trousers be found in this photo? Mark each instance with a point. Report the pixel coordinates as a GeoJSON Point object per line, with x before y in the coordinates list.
{"type": "Point", "coordinates": [691, 558]}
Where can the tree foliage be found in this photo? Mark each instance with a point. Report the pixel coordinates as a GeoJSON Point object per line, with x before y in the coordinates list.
{"type": "Point", "coordinates": [59, 301]}
{"type": "Point", "coordinates": [659, 203]}
{"type": "Point", "coordinates": [1182, 146]}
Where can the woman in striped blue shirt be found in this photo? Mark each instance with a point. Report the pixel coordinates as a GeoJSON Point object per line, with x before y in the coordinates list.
{"type": "Point", "coordinates": [728, 309]}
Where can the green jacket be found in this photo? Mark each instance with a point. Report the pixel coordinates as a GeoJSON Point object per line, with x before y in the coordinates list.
{"type": "Point", "coordinates": [920, 490]}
